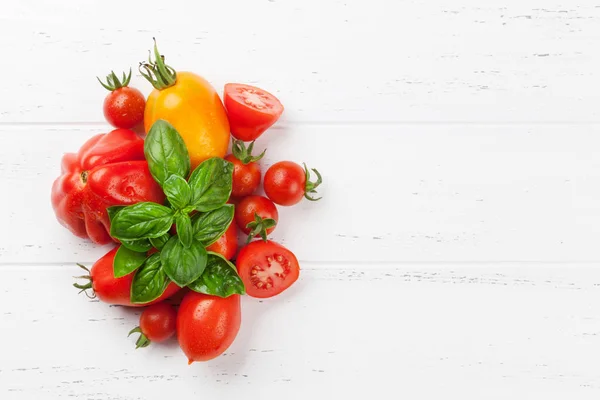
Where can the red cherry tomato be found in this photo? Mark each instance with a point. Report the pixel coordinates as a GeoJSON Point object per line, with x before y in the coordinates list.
{"type": "Point", "coordinates": [246, 177]}
{"type": "Point", "coordinates": [207, 325]}
{"type": "Point", "coordinates": [267, 268]}
{"type": "Point", "coordinates": [157, 324]}
{"type": "Point", "coordinates": [113, 290]}
{"type": "Point", "coordinates": [226, 245]}
{"type": "Point", "coordinates": [123, 106]}
{"type": "Point", "coordinates": [249, 208]}
{"type": "Point", "coordinates": [286, 183]}
{"type": "Point", "coordinates": [250, 110]}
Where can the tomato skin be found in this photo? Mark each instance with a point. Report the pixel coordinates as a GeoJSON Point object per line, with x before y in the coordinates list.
{"type": "Point", "coordinates": [226, 245]}
{"type": "Point", "coordinates": [277, 268]}
{"type": "Point", "coordinates": [124, 107]}
{"type": "Point", "coordinates": [158, 322]}
{"type": "Point", "coordinates": [109, 170]}
{"type": "Point", "coordinates": [246, 177]}
{"type": "Point", "coordinates": [248, 206]}
{"type": "Point", "coordinates": [251, 110]}
{"type": "Point", "coordinates": [194, 108]}
{"type": "Point", "coordinates": [207, 325]}
{"type": "Point", "coordinates": [113, 290]}
{"type": "Point", "coordinates": [285, 183]}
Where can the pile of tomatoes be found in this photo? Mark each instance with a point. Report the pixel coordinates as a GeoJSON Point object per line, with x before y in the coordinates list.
{"type": "Point", "coordinates": [175, 204]}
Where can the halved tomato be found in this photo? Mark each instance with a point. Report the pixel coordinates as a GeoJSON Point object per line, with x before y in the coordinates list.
{"type": "Point", "coordinates": [250, 110]}
{"type": "Point", "coordinates": [267, 268]}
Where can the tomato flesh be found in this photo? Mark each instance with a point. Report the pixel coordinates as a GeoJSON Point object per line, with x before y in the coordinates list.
{"type": "Point", "coordinates": [250, 110]}
{"type": "Point", "coordinates": [267, 268]}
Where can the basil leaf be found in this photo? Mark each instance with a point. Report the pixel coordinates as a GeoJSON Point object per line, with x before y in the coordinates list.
{"type": "Point", "coordinates": [142, 220]}
{"type": "Point", "coordinates": [210, 226]}
{"type": "Point", "coordinates": [126, 261]}
{"type": "Point", "coordinates": [211, 184]}
{"type": "Point", "coordinates": [183, 265]}
{"type": "Point", "coordinates": [112, 211]}
{"type": "Point", "coordinates": [184, 230]}
{"type": "Point", "coordinates": [160, 241]}
{"type": "Point", "coordinates": [149, 282]}
{"type": "Point", "coordinates": [178, 192]}
{"type": "Point", "coordinates": [139, 245]}
{"type": "Point", "coordinates": [166, 152]}
{"type": "Point", "coordinates": [220, 278]}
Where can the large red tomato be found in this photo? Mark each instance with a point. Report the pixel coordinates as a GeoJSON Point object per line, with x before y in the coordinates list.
{"type": "Point", "coordinates": [109, 170]}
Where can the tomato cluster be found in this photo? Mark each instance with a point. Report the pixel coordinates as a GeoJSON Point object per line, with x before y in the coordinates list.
{"type": "Point", "coordinates": [174, 202]}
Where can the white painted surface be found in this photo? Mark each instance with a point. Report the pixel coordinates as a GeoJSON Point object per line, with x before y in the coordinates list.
{"type": "Point", "coordinates": [454, 254]}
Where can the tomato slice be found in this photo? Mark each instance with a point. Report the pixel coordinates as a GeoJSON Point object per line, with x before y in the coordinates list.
{"type": "Point", "coordinates": [267, 268]}
{"type": "Point", "coordinates": [250, 110]}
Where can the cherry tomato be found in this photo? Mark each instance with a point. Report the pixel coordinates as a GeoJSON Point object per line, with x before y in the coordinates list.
{"type": "Point", "coordinates": [286, 183]}
{"type": "Point", "coordinates": [246, 172]}
{"type": "Point", "coordinates": [207, 325]}
{"type": "Point", "coordinates": [157, 324]}
{"type": "Point", "coordinates": [267, 268]}
{"type": "Point", "coordinates": [251, 110]}
{"type": "Point", "coordinates": [113, 290]}
{"type": "Point", "coordinates": [123, 106]}
{"type": "Point", "coordinates": [256, 216]}
{"type": "Point", "coordinates": [226, 245]}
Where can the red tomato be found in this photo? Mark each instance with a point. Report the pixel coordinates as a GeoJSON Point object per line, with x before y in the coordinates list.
{"type": "Point", "coordinates": [113, 290]}
{"type": "Point", "coordinates": [157, 324]}
{"type": "Point", "coordinates": [248, 208]}
{"type": "Point", "coordinates": [109, 170]}
{"type": "Point", "coordinates": [226, 245]}
{"type": "Point", "coordinates": [250, 110]}
{"type": "Point", "coordinates": [123, 106]}
{"type": "Point", "coordinates": [246, 177]}
{"type": "Point", "coordinates": [207, 325]}
{"type": "Point", "coordinates": [267, 268]}
{"type": "Point", "coordinates": [286, 183]}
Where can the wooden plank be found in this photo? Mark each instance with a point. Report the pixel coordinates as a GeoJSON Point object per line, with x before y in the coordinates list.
{"type": "Point", "coordinates": [382, 60]}
{"type": "Point", "coordinates": [478, 331]}
{"type": "Point", "coordinates": [392, 193]}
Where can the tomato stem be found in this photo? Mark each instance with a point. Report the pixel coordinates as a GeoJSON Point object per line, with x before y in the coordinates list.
{"type": "Point", "coordinates": [259, 227]}
{"type": "Point", "coordinates": [311, 186]}
{"type": "Point", "coordinates": [239, 150]}
{"type": "Point", "coordinates": [113, 83]}
{"type": "Point", "coordinates": [159, 74]}
{"type": "Point", "coordinates": [143, 340]}
{"type": "Point", "coordinates": [88, 285]}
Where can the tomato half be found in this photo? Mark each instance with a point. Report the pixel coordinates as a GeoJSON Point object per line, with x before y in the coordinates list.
{"type": "Point", "coordinates": [267, 268]}
{"type": "Point", "coordinates": [250, 110]}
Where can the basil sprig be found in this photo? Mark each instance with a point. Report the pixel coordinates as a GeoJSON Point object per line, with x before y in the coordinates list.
{"type": "Point", "coordinates": [181, 258]}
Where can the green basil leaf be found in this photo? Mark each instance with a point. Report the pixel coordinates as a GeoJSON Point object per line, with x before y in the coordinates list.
{"type": "Point", "coordinates": [142, 220]}
{"type": "Point", "coordinates": [220, 278]}
{"type": "Point", "coordinates": [166, 152]}
{"type": "Point", "coordinates": [184, 230]}
{"type": "Point", "coordinates": [183, 265]}
{"type": "Point", "coordinates": [211, 184]}
{"type": "Point", "coordinates": [160, 241]}
{"type": "Point", "coordinates": [178, 192]}
{"type": "Point", "coordinates": [139, 245]}
{"type": "Point", "coordinates": [149, 282]}
{"type": "Point", "coordinates": [210, 226]}
{"type": "Point", "coordinates": [112, 211]}
{"type": "Point", "coordinates": [126, 261]}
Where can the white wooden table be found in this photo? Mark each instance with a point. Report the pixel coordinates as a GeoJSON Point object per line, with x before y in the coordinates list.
{"type": "Point", "coordinates": [455, 253]}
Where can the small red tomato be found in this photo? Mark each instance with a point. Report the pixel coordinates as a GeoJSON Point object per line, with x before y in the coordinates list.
{"type": "Point", "coordinates": [250, 110]}
{"type": "Point", "coordinates": [246, 172]}
{"type": "Point", "coordinates": [123, 106]}
{"type": "Point", "coordinates": [113, 290]}
{"type": "Point", "coordinates": [267, 268]}
{"type": "Point", "coordinates": [157, 324]}
{"type": "Point", "coordinates": [256, 216]}
{"type": "Point", "coordinates": [226, 245]}
{"type": "Point", "coordinates": [207, 325]}
{"type": "Point", "coordinates": [286, 183]}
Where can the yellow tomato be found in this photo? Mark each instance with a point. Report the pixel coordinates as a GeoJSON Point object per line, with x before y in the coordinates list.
{"type": "Point", "coordinates": [194, 108]}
